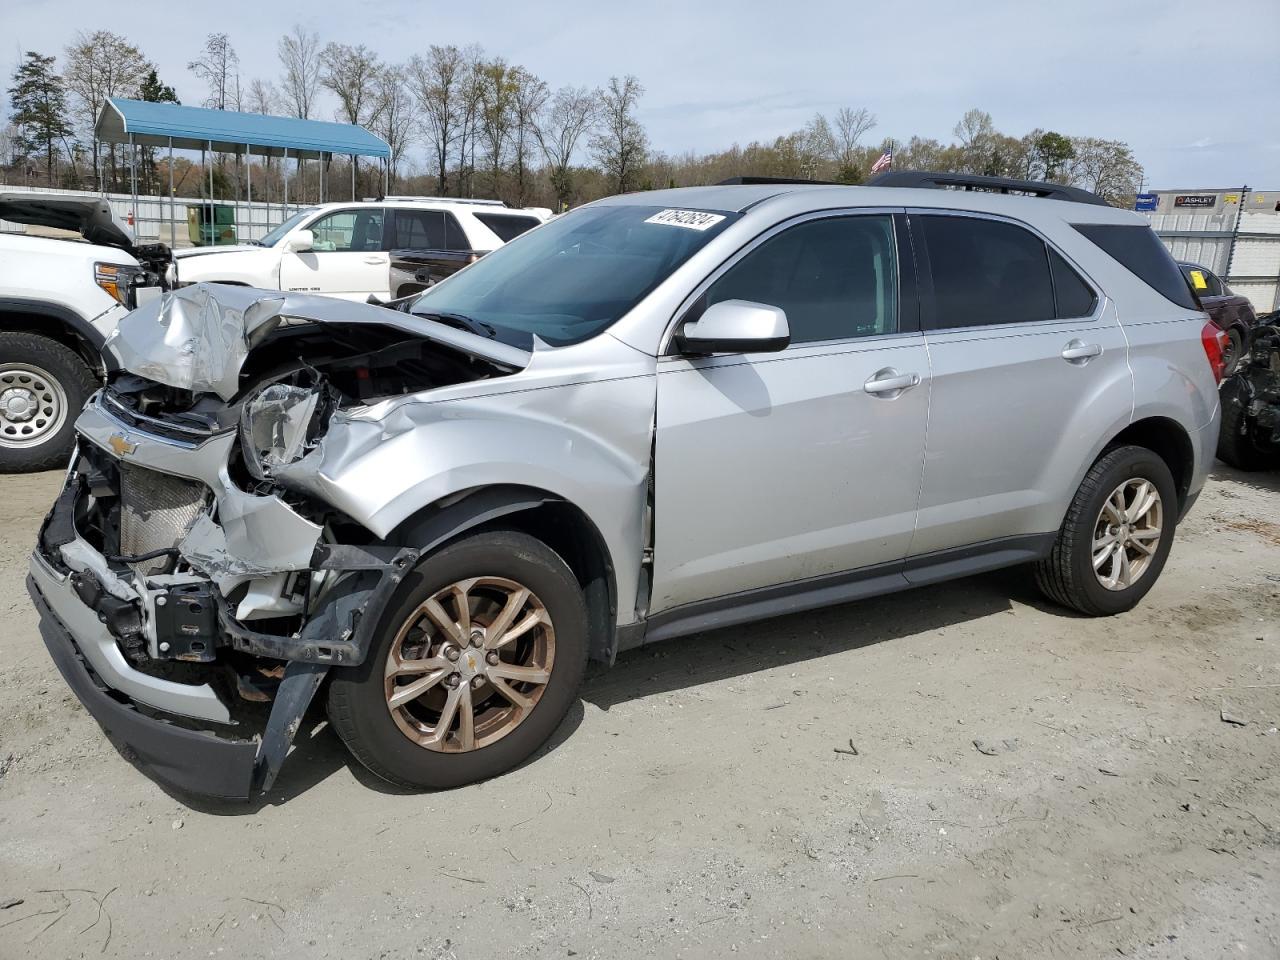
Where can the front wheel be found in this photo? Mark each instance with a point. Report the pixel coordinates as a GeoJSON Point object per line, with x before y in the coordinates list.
{"type": "Point", "coordinates": [1116, 535]}
{"type": "Point", "coordinates": [472, 667]}
{"type": "Point", "coordinates": [43, 386]}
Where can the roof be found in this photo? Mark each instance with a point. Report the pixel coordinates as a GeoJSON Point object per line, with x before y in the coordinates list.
{"type": "Point", "coordinates": [807, 197]}
{"type": "Point", "coordinates": [194, 128]}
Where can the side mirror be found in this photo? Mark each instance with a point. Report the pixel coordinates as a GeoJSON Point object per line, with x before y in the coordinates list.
{"type": "Point", "coordinates": [300, 241]}
{"type": "Point", "coordinates": [736, 326]}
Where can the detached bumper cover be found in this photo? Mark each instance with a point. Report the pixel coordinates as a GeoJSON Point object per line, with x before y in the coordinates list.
{"type": "Point", "coordinates": [190, 760]}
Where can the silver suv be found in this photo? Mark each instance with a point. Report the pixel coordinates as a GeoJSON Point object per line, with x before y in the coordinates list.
{"type": "Point", "coordinates": [659, 414]}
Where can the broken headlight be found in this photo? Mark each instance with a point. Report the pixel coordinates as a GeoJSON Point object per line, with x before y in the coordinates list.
{"type": "Point", "coordinates": [277, 427]}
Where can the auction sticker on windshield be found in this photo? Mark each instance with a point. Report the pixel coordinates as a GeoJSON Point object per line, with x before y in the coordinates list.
{"type": "Point", "coordinates": [690, 219]}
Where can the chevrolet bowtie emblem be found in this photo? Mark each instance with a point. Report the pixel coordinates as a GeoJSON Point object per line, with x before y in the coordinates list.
{"type": "Point", "coordinates": [121, 445]}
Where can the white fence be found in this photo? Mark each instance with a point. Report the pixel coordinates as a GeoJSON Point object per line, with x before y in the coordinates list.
{"type": "Point", "coordinates": [1205, 236]}
{"type": "Point", "coordinates": [151, 215]}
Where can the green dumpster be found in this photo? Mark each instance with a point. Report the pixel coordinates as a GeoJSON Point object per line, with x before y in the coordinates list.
{"type": "Point", "coordinates": [211, 224]}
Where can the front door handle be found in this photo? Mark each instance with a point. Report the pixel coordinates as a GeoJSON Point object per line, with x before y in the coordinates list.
{"type": "Point", "coordinates": [1079, 352]}
{"type": "Point", "coordinates": [888, 383]}
{"type": "Point", "coordinates": [374, 261]}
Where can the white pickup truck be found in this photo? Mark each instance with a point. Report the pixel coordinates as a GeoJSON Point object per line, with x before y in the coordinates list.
{"type": "Point", "coordinates": [386, 248]}
{"type": "Point", "coordinates": [60, 297]}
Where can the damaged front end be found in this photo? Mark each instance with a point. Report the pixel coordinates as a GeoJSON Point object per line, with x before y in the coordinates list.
{"type": "Point", "coordinates": [191, 598]}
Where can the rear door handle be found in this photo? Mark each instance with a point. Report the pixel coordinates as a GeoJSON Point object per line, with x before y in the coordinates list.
{"type": "Point", "coordinates": [1077, 351]}
{"type": "Point", "coordinates": [889, 381]}
{"type": "Point", "coordinates": [374, 261]}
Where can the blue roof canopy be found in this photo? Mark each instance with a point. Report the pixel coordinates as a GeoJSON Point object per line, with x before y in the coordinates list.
{"type": "Point", "coordinates": [195, 128]}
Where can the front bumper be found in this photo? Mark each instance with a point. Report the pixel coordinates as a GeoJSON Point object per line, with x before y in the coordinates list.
{"type": "Point", "coordinates": [191, 760]}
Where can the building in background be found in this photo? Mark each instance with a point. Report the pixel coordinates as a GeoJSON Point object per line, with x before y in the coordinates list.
{"type": "Point", "coordinates": [1234, 231]}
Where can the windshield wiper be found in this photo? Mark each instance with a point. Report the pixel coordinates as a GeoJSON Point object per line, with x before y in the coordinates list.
{"type": "Point", "coordinates": [462, 322]}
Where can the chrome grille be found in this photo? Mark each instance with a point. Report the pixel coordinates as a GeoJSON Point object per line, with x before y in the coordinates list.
{"type": "Point", "coordinates": [156, 512]}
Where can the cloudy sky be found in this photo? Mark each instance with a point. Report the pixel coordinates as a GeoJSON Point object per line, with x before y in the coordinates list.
{"type": "Point", "coordinates": [1193, 87]}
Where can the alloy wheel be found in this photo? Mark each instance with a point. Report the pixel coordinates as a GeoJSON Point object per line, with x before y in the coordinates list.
{"type": "Point", "coordinates": [1127, 533]}
{"type": "Point", "coordinates": [469, 664]}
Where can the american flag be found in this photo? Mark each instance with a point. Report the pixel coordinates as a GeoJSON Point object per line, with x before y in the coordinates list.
{"type": "Point", "coordinates": [884, 163]}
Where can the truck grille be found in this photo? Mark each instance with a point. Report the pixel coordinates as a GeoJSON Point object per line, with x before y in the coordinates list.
{"type": "Point", "coordinates": [156, 512]}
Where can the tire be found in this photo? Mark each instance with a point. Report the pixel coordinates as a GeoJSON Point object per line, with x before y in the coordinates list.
{"type": "Point", "coordinates": [1067, 575]}
{"type": "Point", "coordinates": [35, 370]}
{"type": "Point", "coordinates": [358, 703]}
{"type": "Point", "coordinates": [1234, 353]}
{"type": "Point", "coordinates": [1237, 445]}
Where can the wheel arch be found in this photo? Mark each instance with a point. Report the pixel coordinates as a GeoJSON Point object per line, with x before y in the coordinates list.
{"type": "Point", "coordinates": [1169, 440]}
{"type": "Point", "coordinates": [546, 516]}
{"type": "Point", "coordinates": [58, 323]}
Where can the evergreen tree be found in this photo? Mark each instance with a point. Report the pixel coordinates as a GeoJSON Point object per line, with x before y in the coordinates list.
{"type": "Point", "coordinates": [39, 109]}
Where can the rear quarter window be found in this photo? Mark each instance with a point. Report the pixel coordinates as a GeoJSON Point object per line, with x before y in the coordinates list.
{"type": "Point", "coordinates": [1139, 250]}
{"type": "Point", "coordinates": [506, 226]}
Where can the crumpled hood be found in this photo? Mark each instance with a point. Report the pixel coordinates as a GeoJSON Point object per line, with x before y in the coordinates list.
{"type": "Point", "coordinates": [197, 338]}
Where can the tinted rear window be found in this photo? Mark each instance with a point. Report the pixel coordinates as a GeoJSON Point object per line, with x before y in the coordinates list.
{"type": "Point", "coordinates": [506, 226]}
{"type": "Point", "coordinates": [986, 272]}
{"type": "Point", "coordinates": [1140, 251]}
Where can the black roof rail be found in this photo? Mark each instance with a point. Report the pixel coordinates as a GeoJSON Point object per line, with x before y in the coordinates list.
{"type": "Point", "coordinates": [983, 184]}
{"type": "Point", "coordinates": [774, 181]}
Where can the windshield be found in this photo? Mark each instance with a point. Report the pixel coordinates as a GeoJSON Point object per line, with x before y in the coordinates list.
{"type": "Point", "coordinates": [272, 238]}
{"type": "Point", "coordinates": [575, 276]}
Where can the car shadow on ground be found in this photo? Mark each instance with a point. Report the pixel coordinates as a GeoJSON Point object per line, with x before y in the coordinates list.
{"type": "Point", "coordinates": [1263, 480]}
{"type": "Point", "coordinates": [686, 662]}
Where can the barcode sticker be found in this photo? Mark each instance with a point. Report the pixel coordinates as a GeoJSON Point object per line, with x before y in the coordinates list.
{"type": "Point", "coordinates": [690, 219]}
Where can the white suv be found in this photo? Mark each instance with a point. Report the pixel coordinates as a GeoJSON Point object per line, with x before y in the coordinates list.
{"type": "Point", "coordinates": [386, 249]}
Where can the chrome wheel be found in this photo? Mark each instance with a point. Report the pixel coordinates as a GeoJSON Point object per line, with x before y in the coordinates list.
{"type": "Point", "coordinates": [33, 405]}
{"type": "Point", "coordinates": [469, 664]}
{"type": "Point", "coordinates": [1127, 533]}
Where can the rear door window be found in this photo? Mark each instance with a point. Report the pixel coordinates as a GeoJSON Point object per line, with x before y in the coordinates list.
{"type": "Point", "coordinates": [506, 225]}
{"type": "Point", "coordinates": [454, 236]}
{"type": "Point", "coordinates": [420, 230]}
{"type": "Point", "coordinates": [1139, 250]}
{"type": "Point", "coordinates": [986, 272]}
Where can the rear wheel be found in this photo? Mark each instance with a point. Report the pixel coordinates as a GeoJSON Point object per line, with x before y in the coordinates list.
{"type": "Point", "coordinates": [1238, 444]}
{"type": "Point", "coordinates": [471, 669]}
{"type": "Point", "coordinates": [43, 386]}
{"type": "Point", "coordinates": [1116, 535]}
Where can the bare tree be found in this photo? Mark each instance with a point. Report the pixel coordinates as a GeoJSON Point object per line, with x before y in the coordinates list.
{"type": "Point", "coordinates": [620, 144]}
{"type": "Point", "coordinates": [850, 126]}
{"type": "Point", "coordinates": [100, 65]}
{"type": "Point", "coordinates": [262, 96]}
{"type": "Point", "coordinates": [300, 58]}
{"type": "Point", "coordinates": [973, 127]}
{"type": "Point", "coordinates": [571, 114]}
{"type": "Point", "coordinates": [528, 98]}
{"type": "Point", "coordinates": [496, 115]}
{"type": "Point", "coordinates": [218, 66]}
{"type": "Point", "coordinates": [393, 118]}
{"type": "Point", "coordinates": [437, 82]}
{"type": "Point", "coordinates": [352, 74]}
{"type": "Point", "coordinates": [469, 131]}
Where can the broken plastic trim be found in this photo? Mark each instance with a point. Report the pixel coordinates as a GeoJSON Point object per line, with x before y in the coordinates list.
{"type": "Point", "coordinates": [274, 426]}
{"type": "Point", "coordinates": [341, 632]}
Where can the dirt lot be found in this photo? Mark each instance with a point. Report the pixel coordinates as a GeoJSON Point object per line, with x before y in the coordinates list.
{"type": "Point", "coordinates": [697, 802]}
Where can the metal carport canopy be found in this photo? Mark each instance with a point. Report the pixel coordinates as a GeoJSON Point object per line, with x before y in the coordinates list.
{"type": "Point", "coordinates": [197, 128]}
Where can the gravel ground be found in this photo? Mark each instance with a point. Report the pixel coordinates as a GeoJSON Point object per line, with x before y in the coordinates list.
{"type": "Point", "coordinates": [703, 798]}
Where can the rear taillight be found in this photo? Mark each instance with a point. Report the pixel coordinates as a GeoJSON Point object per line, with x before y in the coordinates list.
{"type": "Point", "coordinates": [1215, 341]}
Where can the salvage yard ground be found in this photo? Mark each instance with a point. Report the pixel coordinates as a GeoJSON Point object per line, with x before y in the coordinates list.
{"type": "Point", "coordinates": [805, 787]}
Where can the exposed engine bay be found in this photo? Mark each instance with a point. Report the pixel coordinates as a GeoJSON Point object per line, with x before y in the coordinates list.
{"type": "Point", "coordinates": [179, 525]}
